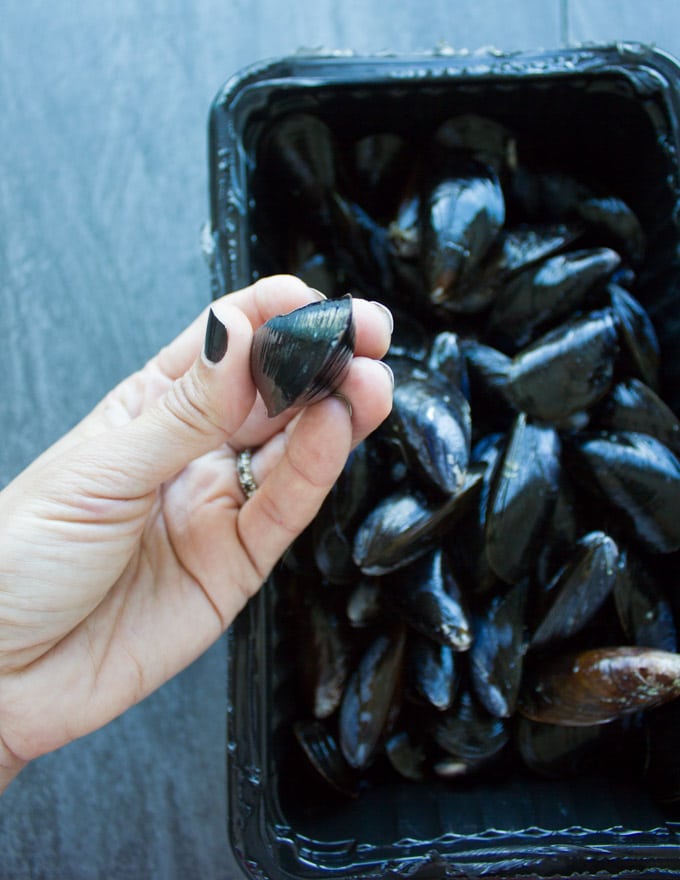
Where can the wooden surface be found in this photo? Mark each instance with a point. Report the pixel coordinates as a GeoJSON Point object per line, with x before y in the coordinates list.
{"type": "Point", "coordinates": [103, 192]}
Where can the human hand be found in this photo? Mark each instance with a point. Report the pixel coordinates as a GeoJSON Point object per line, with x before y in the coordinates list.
{"type": "Point", "coordinates": [128, 547]}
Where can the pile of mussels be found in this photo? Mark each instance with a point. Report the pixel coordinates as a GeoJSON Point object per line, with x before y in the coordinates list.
{"type": "Point", "coordinates": [488, 582]}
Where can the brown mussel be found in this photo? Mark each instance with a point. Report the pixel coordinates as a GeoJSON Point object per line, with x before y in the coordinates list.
{"type": "Point", "coordinates": [598, 685]}
{"type": "Point", "coordinates": [301, 357]}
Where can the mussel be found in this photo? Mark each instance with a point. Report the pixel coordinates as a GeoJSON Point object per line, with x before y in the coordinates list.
{"type": "Point", "coordinates": [299, 358]}
{"type": "Point", "coordinates": [600, 684]}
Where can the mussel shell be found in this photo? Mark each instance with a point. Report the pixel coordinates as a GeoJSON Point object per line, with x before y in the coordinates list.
{"type": "Point", "coordinates": [577, 358]}
{"type": "Point", "coordinates": [406, 756]}
{"type": "Point", "coordinates": [404, 526]}
{"type": "Point", "coordinates": [430, 420]}
{"type": "Point", "coordinates": [426, 595]}
{"type": "Point", "coordinates": [469, 732]}
{"type": "Point", "coordinates": [523, 493]}
{"type": "Point", "coordinates": [598, 685]}
{"type": "Point", "coordinates": [325, 756]}
{"type": "Point", "coordinates": [645, 613]}
{"type": "Point", "coordinates": [300, 155]}
{"type": "Point", "coordinates": [633, 406]}
{"type": "Point", "coordinates": [638, 477]}
{"type": "Point", "coordinates": [431, 671]}
{"type": "Point", "coordinates": [369, 697]}
{"type": "Point", "coordinates": [497, 653]}
{"type": "Point", "coordinates": [301, 357]}
{"type": "Point", "coordinates": [462, 215]}
{"type": "Point", "coordinates": [544, 294]}
{"type": "Point", "coordinates": [484, 139]}
{"type": "Point", "coordinates": [579, 590]}
{"type": "Point", "coordinates": [637, 334]}
{"type": "Point", "coordinates": [381, 163]}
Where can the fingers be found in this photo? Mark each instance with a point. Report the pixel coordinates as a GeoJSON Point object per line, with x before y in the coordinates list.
{"type": "Point", "coordinates": [368, 390]}
{"type": "Point", "coordinates": [293, 491]}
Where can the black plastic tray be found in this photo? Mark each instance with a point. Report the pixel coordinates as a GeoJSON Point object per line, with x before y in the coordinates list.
{"type": "Point", "coordinates": [606, 113]}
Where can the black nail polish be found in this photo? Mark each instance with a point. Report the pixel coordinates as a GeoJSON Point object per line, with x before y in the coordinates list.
{"type": "Point", "coordinates": [215, 346]}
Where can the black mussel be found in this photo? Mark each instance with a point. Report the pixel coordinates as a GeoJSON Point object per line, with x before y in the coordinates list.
{"type": "Point", "coordinates": [323, 649]}
{"type": "Point", "coordinates": [431, 671]}
{"type": "Point", "coordinates": [524, 245]}
{"type": "Point", "coordinates": [553, 195]}
{"type": "Point", "coordinates": [299, 156]}
{"type": "Point", "coordinates": [404, 526]}
{"type": "Point", "coordinates": [645, 613]}
{"type": "Point", "coordinates": [488, 370]}
{"type": "Point", "coordinates": [299, 358]}
{"type": "Point", "coordinates": [465, 543]}
{"type": "Point", "coordinates": [369, 697]}
{"type": "Point", "coordinates": [468, 732]}
{"type": "Point", "coordinates": [333, 549]}
{"type": "Point", "coordinates": [578, 590]}
{"type": "Point", "coordinates": [633, 406]}
{"type": "Point", "coordinates": [615, 218]}
{"type": "Point", "coordinates": [484, 139]}
{"type": "Point", "coordinates": [404, 230]}
{"type": "Point", "coordinates": [430, 420]}
{"type": "Point", "coordinates": [638, 477]}
{"type": "Point", "coordinates": [364, 603]}
{"type": "Point", "coordinates": [381, 162]}
{"type": "Point", "coordinates": [566, 370]}
{"type": "Point", "coordinates": [523, 493]}
{"type": "Point", "coordinates": [637, 334]}
{"type": "Point", "coordinates": [406, 756]}
{"type": "Point", "coordinates": [446, 358]}
{"type": "Point", "coordinates": [462, 215]}
{"type": "Point", "coordinates": [497, 654]}
{"type": "Point", "coordinates": [564, 530]}
{"type": "Point", "coordinates": [515, 249]}
{"type": "Point", "coordinates": [554, 750]}
{"type": "Point", "coordinates": [325, 756]}
{"type": "Point", "coordinates": [599, 685]}
{"type": "Point", "coordinates": [425, 593]}
{"type": "Point", "coordinates": [545, 294]}
{"type": "Point", "coordinates": [360, 248]}
{"type": "Point", "coordinates": [346, 504]}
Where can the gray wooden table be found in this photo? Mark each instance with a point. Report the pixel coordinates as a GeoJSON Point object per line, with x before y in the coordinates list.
{"type": "Point", "coordinates": [103, 192]}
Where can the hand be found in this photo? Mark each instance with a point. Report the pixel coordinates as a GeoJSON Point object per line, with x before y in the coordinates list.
{"type": "Point", "coordinates": [128, 547]}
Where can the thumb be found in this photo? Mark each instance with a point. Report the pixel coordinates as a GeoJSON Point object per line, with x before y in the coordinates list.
{"type": "Point", "coordinates": [198, 413]}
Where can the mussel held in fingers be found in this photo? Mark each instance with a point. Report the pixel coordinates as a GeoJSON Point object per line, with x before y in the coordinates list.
{"type": "Point", "coordinates": [299, 358]}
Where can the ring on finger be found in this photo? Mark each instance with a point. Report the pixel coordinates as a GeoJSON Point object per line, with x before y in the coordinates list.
{"type": "Point", "coordinates": [246, 479]}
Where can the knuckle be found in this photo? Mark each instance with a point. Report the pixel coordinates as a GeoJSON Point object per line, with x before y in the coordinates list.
{"type": "Point", "coordinates": [188, 402]}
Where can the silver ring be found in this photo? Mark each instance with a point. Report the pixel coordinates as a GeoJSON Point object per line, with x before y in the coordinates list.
{"type": "Point", "coordinates": [245, 474]}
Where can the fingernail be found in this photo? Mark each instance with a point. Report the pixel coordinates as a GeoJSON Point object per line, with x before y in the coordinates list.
{"type": "Point", "coordinates": [386, 312]}
{"type": "Point", "coordinates": [216, 339]}
{"type": "Point", "coordinates": [318, 293]}
{"type": "Point", "coordinates": [344, 400]}
{"type": "Point", "coordinates": [388, 370]}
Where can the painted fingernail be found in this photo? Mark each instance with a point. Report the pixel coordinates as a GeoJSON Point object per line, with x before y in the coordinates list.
{"type": "Point", "coordinates": [318, 293]}
{"type": "Point", "coordinates": [216, 339]}
{"type": "Point", "coordinates": [388, 370]}
{"type": "Point", "coordinates": [345, 400]}
{"type": "Point", "coordinates": [386, 312]}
